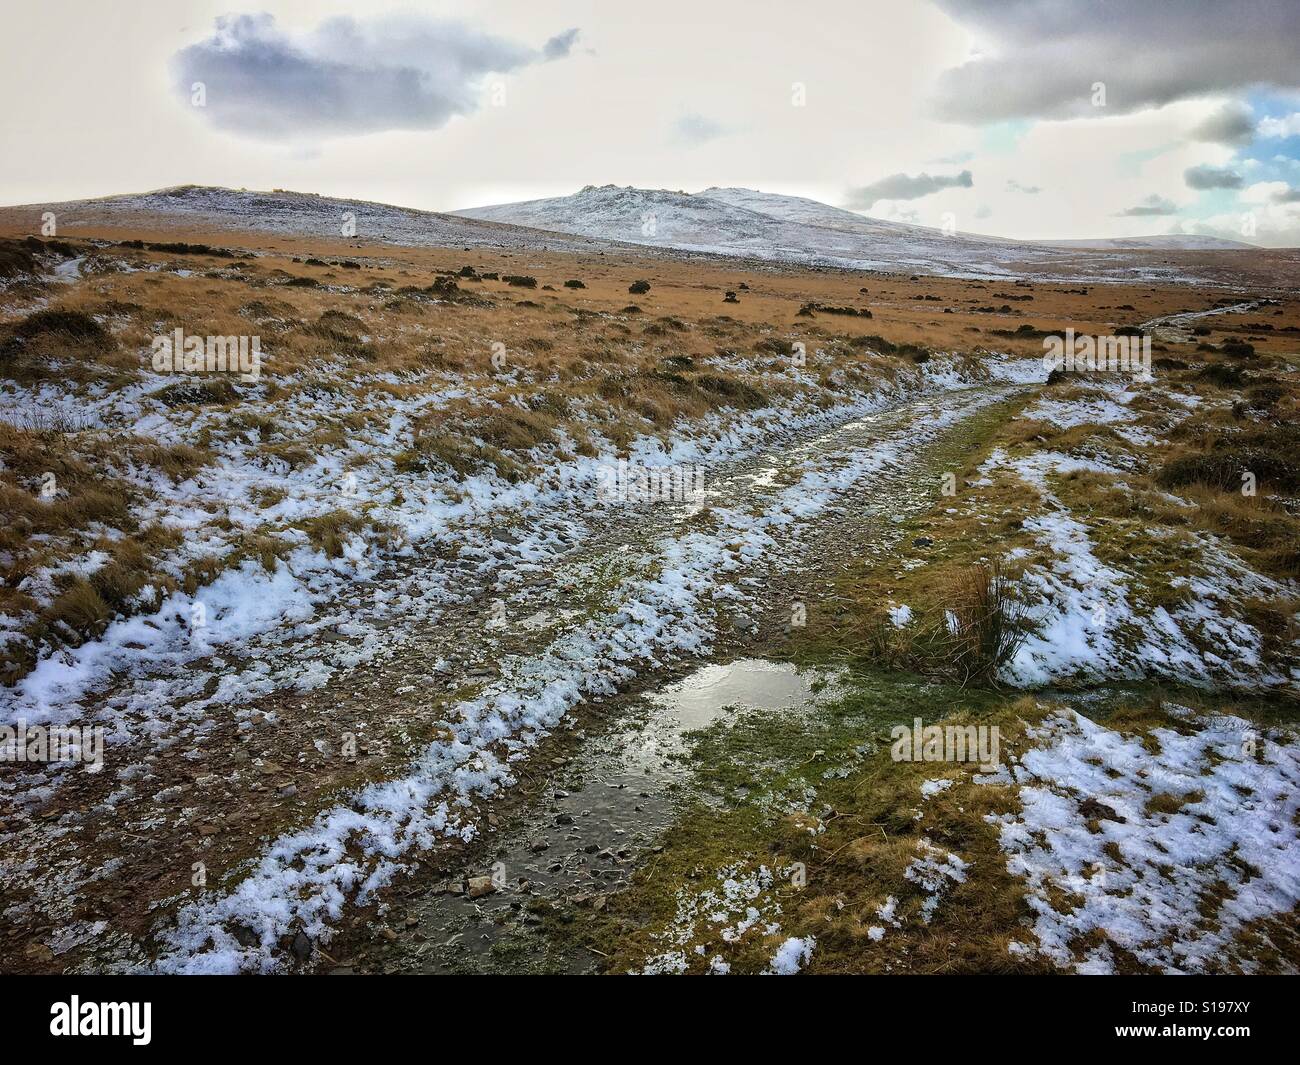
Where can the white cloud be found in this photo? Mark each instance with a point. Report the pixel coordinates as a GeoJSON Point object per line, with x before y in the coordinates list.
{"type": "Point", "coordinates": [1286, 126]}
{"type": "Point", "coordinates": [1263, 192]}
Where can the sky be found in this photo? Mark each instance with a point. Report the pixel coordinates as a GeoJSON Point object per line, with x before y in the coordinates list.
{"type": "Point", "coordinates": [1029, 119]}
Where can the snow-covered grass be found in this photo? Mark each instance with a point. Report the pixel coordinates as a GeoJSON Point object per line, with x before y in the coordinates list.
{"type": "Point", "coordinates": [1119, 577]}
{"type": "Point", "coordinates": [1167, 844]}
{"type": "Point", "coordinates": [1147, 838]}
{"type": "Point", "coordinates": [738, 912]}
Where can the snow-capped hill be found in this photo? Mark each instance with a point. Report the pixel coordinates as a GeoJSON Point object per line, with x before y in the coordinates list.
{"type": "Point", "coordinates": [804, 211]}
{"type": "Point", "coordinates": [207, 207]}
{"type": "Point", "coordinates": [745, 223]}
{"type": "Point", "coordinates": [793, 229]}
{"type": "Point", "coordinates": [642, 216]}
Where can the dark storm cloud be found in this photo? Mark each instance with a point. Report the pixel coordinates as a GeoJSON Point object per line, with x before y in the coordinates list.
{"type": "Point", "coordinates": [1233, 124]}
{"type": "Point", "coordinates": [905, 187]}
{"type": "Point", "coordinates": [348, 75]}
{"type": "Point", "coordinates": [1153, 206]}
{"type": "Point", "coordinates": [1211, 177]}
{"type": "Point", "coordinates": [1042, 57]}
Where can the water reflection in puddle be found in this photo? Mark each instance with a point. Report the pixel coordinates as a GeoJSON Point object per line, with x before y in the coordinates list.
{"type": "Point", "coordinates": [698, 700]}
{"type": "Point", "coordinates": [598, 819]}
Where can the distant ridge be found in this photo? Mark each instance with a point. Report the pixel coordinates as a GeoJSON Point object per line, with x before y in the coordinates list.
{"type": "Point", "coordinates": [728, 222]}
{"type": "Point", "coordinates": [746, 222]}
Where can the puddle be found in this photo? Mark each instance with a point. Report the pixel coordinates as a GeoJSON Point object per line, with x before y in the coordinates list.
{"type": "Point", "coordinates": [589, 830]}
{"type": "Point", "coordinates": [754, 683]}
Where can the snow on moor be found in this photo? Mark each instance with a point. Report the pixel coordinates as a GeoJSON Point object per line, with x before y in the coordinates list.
{"type": "Point", "coordinates": [305, 878]}
{"type": "Point", "coordinates": [1091, 622]}
{"type": "Point", "coordinates": [1171, 883]}
{"type": "Point", "coordinates": [247, 603]}
{"type": "Point", "coordinates": [1144, 875]}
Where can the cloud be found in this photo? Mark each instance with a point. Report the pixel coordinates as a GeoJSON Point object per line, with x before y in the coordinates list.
{"type": "Point", "coordinates": [1290, 194]}
{"type": "Point", "coordinates": [1264, 192]}
{"type": "Point", "coordinates": [1028, 190]}
{"type": "Point", "coordinates": [348, 75]}
{"type": "Point", "coordinates": [1272, 225]}
{"type": "Point", "coordinates": [1286, 126]}
{"type": "Point", "coordinates": [905, 187]}
{"type": "Point", "coordinates": [1152, 207]}
{"type": "Point", "coordinates": [1041, 58]}
{"type": "Point", "coordinates": [1232, 124]}
{"type": "Point", "coordinates": [1211, 177]}
{"type": "Point", "coordinates": [559, 46]}
{"type": "Point", "coordinates": [693, 130]}
{"type": "Point", "coordinates": [956, 159]}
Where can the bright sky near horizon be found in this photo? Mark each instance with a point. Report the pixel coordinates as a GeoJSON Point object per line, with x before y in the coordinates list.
{"type": "Point", "coordinates": [1022, 118]}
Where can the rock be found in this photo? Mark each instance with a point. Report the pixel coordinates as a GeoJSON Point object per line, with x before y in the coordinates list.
{"type": "Point", "coordinates": [301, 946]}
{"type": "Point", "coordinates": [539, 845]}
{"type": "Point", "coordinates": [388, 934]}
{"type": "Point", "coordinates": [478, 886]}
{"type": "Point", "coordinates": [244, 935]}
{"type": "Point", "coordinates": [39, 952]}
{"type": "Point", "coordinates": [744, 625]}
{"type": "Point", "coordinates": [564, 819]}
{"type": "Point", "coordinates": [504, 536]}
{"type": "Point", "coordinates": [1091, 808]}
{"type": "Point", "coordinates": [922, 541]}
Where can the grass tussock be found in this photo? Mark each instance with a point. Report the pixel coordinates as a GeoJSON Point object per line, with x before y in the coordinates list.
{"type": "Point", "coordinates": [974, 630]}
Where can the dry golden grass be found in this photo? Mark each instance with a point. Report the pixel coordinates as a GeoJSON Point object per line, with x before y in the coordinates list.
{"type": "Point", "coordinates": [541, 364]}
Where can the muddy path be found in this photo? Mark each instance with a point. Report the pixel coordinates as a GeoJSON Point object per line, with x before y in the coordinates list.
{"type": "Point", "coordinates": [600, 801]}
{"type": "Point", "coordinates": [84, 877]}
{"type": "Point", "coordinates": [1177, 328]}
